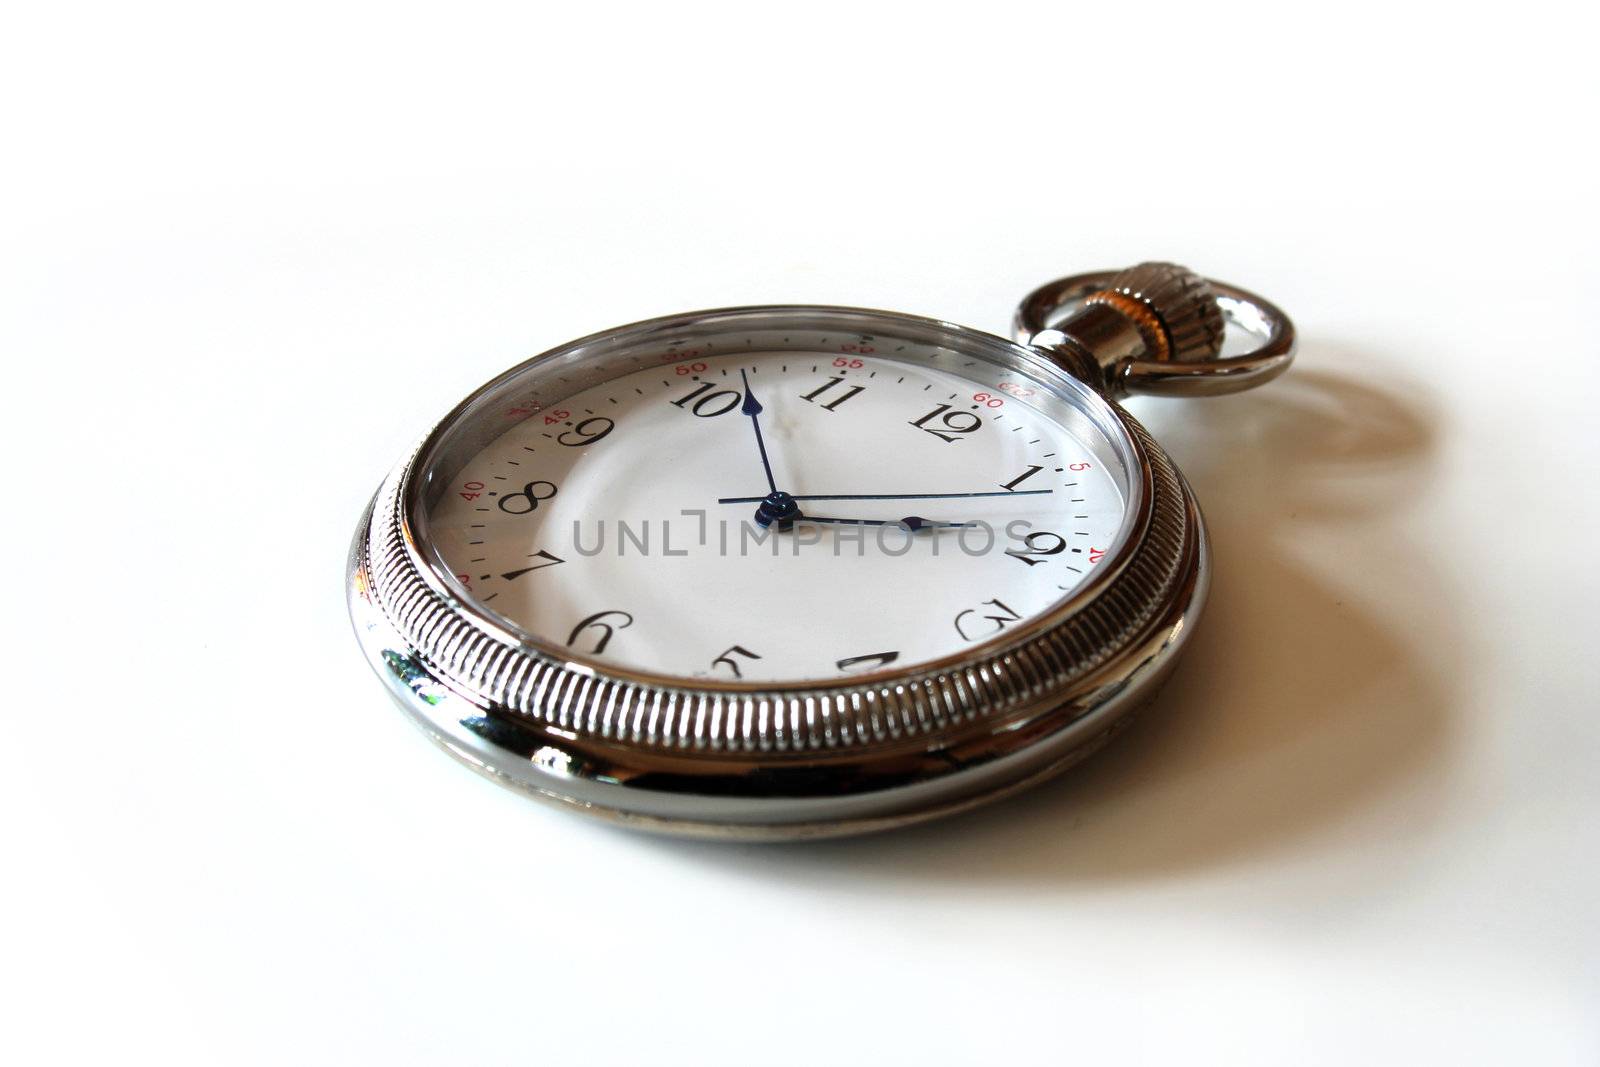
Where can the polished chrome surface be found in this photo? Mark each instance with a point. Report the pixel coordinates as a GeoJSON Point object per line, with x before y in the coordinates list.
{"type": "Point", "coordinates": [1173, 307]}
{"type": "Point", "coordinates": [744, 800]}
{"type": "Point", "coordinates": [1105, 346]}
{"type": "Point", "coordinates": [779, 759]}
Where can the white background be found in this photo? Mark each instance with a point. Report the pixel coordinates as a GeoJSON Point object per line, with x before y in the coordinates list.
{"type": "Point", "coordinates": [249, 251]}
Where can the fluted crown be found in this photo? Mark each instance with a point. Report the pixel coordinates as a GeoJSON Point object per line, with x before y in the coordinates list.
{"type": "Point", "coordinates": [1174, 308]}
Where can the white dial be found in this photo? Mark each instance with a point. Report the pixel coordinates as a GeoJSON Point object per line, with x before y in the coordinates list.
{"type": "Point", "coordinates": [621, 524]}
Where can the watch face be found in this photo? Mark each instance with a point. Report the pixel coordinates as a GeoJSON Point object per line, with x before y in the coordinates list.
{"type": "Point", "coordinates": [800, 505]}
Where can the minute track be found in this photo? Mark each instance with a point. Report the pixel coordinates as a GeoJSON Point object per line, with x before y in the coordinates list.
{"type": "Point", "coordinates": [675, 431]}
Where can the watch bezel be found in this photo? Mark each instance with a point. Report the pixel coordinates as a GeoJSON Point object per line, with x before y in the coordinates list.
{"type": "Point", "coordinates": [421, 471]}
{"type": "Point", "coordinates": [811, 753]}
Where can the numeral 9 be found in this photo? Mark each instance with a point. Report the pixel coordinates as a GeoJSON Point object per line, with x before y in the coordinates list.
{"type": "Point", "coordinates": [587, 432]}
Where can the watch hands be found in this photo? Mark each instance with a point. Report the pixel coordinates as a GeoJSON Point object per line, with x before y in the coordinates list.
{"type": "Point", "coordinates": [877, 496]}
{"type": "Point", "coordinates": [910, 522]}
{"type": "Point", "coordinates": [752, 408]}
{"type": "Point", "coordinates": [781, 508]}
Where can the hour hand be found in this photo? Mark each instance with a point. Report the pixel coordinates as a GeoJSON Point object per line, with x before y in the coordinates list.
{"type": "Point", "coordinates": [752, 408]}
{"type": "Point", "coordinates": [910, 522]}
{"type": "Point", "coordinates": [882, 496]}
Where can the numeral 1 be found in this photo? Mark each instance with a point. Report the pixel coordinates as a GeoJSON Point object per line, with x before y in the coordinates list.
{"type": "Point", "coordinates": [1019, 479]}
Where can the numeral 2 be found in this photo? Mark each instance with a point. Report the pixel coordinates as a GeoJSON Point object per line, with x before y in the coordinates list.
{"type": "Point", "coordinates": [1039, 545]}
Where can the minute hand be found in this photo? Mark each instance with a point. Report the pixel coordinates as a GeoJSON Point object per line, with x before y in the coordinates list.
{"type": "Point", "coordinates": [886, 496]}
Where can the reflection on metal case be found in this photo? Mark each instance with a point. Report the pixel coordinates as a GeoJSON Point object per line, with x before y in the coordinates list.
{"type": "Point", "coordinates": [791, 571]}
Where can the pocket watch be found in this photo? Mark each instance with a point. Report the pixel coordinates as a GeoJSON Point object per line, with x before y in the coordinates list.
{"type": "Point", "coordinates": [792, 571]}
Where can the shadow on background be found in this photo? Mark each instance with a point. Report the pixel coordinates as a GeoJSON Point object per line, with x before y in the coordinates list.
{"type": "Point", "coordinates": [1294, 704]}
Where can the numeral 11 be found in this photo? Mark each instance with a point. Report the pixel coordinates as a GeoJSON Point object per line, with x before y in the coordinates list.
{"type": "Point", "coordinates": [833, 405]}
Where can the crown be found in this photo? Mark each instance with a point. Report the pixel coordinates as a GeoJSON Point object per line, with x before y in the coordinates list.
{"type": "Point", "coordinates": [1174, 309]}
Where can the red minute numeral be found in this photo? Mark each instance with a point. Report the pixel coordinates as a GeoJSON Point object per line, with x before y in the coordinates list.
{"type": "Point", "coordinates": [1077, 466]}
{"type": "Point", "coordinates": [470, 490]}
{"type": "Point", "coordinates": [1096, 554]}
{"type": "Point", "coordinates": [689, 368]}
{"type": "Point", "coordinates": [849, 364]}
{"type": "Point", "coordinates": [988, 400]}
{"type": "Point", "coordinates": [557, 416]}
